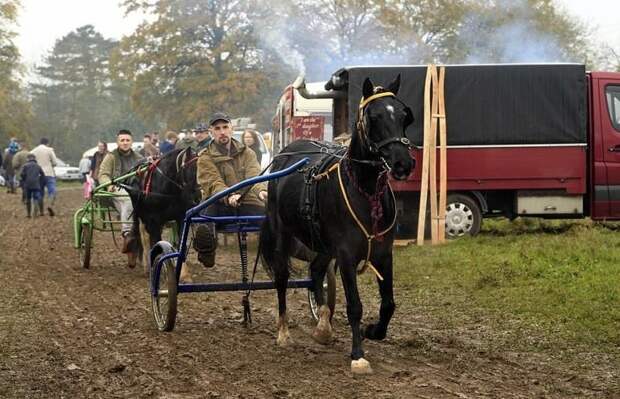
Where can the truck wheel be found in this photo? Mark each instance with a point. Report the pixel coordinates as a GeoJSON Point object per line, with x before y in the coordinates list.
{"type": "Point", "coordinates": [463, 216]}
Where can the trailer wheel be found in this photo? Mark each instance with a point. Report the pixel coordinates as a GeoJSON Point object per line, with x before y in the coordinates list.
{"type": "Point", "coordinates": [463, 216]}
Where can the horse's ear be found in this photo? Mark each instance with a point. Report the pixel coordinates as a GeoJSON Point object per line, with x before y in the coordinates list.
{"type": "Point", "coordinates": [409, 119]}
{"type": "Point", "coordinates": [367, 88]}
{"type": "Point", "coordinates": [395, 85]}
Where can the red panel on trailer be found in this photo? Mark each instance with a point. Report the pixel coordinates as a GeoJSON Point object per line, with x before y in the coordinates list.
{"type": "Point", "coordinates": [308, 127]}
{"type": "Point", "coordinates": [510, 168]}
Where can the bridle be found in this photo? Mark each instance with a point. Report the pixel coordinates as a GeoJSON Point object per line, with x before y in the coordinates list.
{"type": "Point", "coordinates": [362, 125]}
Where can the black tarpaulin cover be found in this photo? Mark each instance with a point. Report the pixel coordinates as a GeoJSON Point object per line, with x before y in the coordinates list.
{"type": "Point", "coordinates": [490, 104]}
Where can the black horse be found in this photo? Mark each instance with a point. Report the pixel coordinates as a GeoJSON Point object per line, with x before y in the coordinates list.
{"type": "Point", "coordinates": [349, 216]}
{"type": "Point", "coordinates": [164, 192]}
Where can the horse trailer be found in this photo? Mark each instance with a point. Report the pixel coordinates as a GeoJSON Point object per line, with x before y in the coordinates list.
{"type": "Point", "coordinates": [539, 140]}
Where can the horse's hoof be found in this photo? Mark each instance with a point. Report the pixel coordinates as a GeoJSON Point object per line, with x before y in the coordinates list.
{"type": "Point", "coordinates": [322, 336]}
{"type": "Point", "coordinates": [323, 331]}
{"type": "Point", "coordinates": [361, 366]}
{"type": "Point", "coordinates": [371, 332]}
{"type": "Point", "coordinates": [284, 340]}
{"type": "Point", "coordinates": [186, 276]}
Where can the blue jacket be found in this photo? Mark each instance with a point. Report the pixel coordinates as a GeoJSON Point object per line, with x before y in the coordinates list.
{"type": "Point", "coordinates": [165, 147]}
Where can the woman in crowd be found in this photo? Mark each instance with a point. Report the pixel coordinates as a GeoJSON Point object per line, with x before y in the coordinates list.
{"type": "Point", "coordinates": [250, 139]}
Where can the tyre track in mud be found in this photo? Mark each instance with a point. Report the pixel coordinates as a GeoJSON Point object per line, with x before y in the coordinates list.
{"type": "Point", "coordinates": [69, 332]}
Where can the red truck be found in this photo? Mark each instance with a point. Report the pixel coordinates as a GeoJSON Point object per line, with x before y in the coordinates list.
{"type": "Point", "coordinates": [537, 140]}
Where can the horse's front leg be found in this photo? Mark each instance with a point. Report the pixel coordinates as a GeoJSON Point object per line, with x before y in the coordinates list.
{"type": "Point", "coordinates": [348, 272]}
{"type": "Point", "coordinates": [378, 331]}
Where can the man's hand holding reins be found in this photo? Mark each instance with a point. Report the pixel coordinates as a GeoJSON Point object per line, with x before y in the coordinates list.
{"type": "Point", "coordinates": [263, 195]}
{"type": "Point", "coordinates": [233, 200]}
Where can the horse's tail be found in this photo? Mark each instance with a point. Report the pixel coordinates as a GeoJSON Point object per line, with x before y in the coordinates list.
{"type": "Point", "coordinates": [267, 247]}
{"type": "Point", "coordinates": [273, 260]}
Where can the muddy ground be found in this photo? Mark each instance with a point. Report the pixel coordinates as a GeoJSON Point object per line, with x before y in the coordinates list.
{"type": "Point", "coordinates": [70, 332]}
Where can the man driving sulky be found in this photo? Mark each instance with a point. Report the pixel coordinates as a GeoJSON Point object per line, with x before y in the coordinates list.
{"type": "Point", "coordinates": [222, 164]}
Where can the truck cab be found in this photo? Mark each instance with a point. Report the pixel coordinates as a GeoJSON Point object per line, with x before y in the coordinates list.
{"type": "Point", "coordinates": [604, 133]}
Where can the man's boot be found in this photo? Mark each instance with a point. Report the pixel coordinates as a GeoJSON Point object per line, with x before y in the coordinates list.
{"type": "Point", "coordinates": [50, 211]}
{"type": "Point", "coordinates": [40, 207]}
{"type": "Point", "coordinates": [29, 208]}
{"type": "Point", "coordinates": [205, 243]}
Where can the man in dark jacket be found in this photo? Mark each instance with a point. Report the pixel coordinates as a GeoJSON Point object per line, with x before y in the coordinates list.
{"type": "Point", "coordinates": [97, 158]}
{"type": "Point", "coordinates": [33, 180]}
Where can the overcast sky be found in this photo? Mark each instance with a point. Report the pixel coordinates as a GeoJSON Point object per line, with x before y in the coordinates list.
{"type": "Point", "coordinates": [42, 22]}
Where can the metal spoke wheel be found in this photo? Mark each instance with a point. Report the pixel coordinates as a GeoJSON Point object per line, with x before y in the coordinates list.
{"type": "Point", "coordinates": [86, 240]}
{"type": "Point", "coordinates": [463, 216]}
{"type": "Point", "coordinates": [329, 287]}
{"type": "Point", "coordinates": [164, 301]}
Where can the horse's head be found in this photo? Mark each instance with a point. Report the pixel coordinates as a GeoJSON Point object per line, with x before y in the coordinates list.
{"type": "Point", "coordinates": [381, 123]}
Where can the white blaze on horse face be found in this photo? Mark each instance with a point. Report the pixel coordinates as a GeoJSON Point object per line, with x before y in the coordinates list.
{"type": "Point", "coordinates": [390, 110]}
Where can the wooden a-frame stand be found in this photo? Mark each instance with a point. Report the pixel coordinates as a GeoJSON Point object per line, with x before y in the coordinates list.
{"type": "Point", "coordinates": [434, 116]}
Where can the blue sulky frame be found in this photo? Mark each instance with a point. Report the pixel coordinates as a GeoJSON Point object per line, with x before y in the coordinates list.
{"type": "Point", "coordinates": [230, 224]}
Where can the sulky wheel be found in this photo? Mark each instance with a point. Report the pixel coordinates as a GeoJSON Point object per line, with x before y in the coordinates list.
{"type": "Point", "coordinates": [329, 286]}
{"type": "Point", "coordinates": [86, 241]}
{"type": "Point", "coordinates": [164, 301]}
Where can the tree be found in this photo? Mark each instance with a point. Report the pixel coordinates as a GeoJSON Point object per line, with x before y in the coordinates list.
{"type": "Point", "coordinates": [519, 31]}
{"type": "Point", "coordinates": [76, 101]}
{"type": "Point", "coordinates": [15, 113]}
{"type": "Point", "coordinates": [197, 57]}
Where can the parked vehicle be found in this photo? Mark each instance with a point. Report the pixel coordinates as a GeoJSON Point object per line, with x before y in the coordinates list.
{"type": "Point", "coordinates": [298, 117]}
{"type": "Point", "coordinates": [64, 171]}
{"type": "Point", "coordinates": [523, 140]}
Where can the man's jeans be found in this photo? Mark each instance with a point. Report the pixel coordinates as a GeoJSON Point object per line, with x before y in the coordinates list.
{"type": "Point", "coordinates": [50, 184]}
{"type": "Point", "coordinates": [123, 205]}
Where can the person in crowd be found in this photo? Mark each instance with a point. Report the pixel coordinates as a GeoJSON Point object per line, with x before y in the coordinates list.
{"type": "Point", "coordinates": [115, 164]}
{"type": "Point", "coordinates": [169, 143]}
{"type": "Point", "coordinates": [84, 167]}
{"type": "Point", "coordinates": [149, 150]}
{"type": "Point", "coordinates": [33, 179]}
{"type": "Point", "coordinates": [46, 158]}
{"type": "Point", "coordinates": [223, 163]}
{"type": "Point", "coordinates": [19, 160]}
{"type": "Point", "coordinates": [7, 164]}
{"type": "Point", "coordinates": [155, 140]}
{"type": "Point", "coordinates": [250, 139]}
{"type": "Point", "coordinates": [97, 158]}
{"type": "Point", "coordinates": [203, 138]}
{"type": "Point", "coordinates": [188, 140]}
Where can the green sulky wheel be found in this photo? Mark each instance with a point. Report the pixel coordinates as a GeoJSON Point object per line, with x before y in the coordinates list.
{"type": "Point", "coordinates": [86, 241]}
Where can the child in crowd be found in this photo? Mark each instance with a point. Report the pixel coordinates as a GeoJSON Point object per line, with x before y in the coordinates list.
{"type": "Point", "coordinates": [33, 180]}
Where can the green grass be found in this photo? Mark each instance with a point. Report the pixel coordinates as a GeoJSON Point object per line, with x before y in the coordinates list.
{"type": "Point", "coordinates": [559, 280]}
